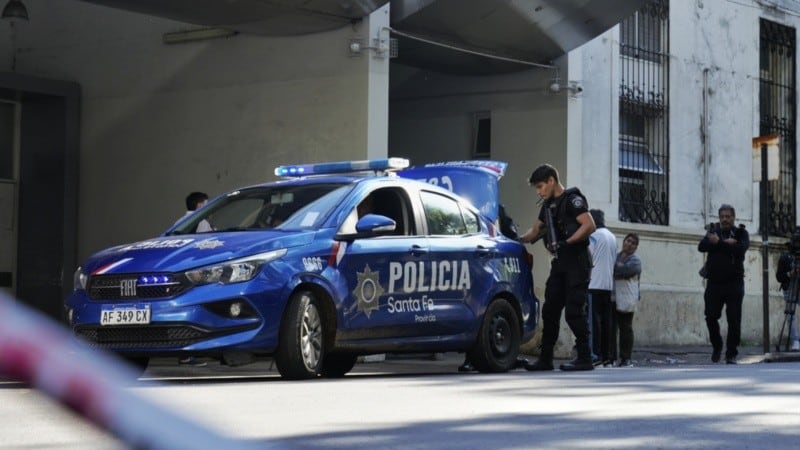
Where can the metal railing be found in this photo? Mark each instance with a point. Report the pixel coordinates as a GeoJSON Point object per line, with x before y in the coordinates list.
{"type": "Point", "coordinates": [644, 118]}
{"type": "Point", "coordinates": [777, 104]}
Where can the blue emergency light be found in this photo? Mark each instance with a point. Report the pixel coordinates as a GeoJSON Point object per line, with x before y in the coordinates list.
{"type": "Point", "coordinates": [303, 170]}
{"type": "Point", "coordinates": [153, 280]}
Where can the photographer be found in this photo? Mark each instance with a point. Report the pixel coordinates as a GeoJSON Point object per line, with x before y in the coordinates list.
{"type": "Point", "coordinates": [726, 246]}
{"type": "Point", "coordinates": [786, 271]}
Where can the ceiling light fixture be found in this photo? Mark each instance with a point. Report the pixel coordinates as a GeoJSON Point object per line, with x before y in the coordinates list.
{"type": "Point", "coordinates": [14, 9]}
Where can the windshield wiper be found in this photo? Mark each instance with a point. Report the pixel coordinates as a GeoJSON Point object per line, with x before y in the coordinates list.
{"type": "Point", "coordinates": [238, 229]}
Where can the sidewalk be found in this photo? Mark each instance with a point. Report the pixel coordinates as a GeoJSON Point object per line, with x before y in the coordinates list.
{"type": "Point", "coordinates": [701, 355]}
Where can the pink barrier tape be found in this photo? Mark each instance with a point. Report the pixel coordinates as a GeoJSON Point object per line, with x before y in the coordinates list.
{"type": "Point", "coordinates": [35, 350]}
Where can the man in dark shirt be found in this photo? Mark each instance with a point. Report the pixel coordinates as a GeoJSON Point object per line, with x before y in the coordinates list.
{"type": "Point", "coordinates": [565, 213]}
{"type": "Point", "coordinates": [726, 246]}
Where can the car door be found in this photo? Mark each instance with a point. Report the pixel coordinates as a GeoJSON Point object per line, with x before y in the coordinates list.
{"type": "Point", "coordinates": [462, 263]}
{"type": "Point", "coordinates": [386, 276]}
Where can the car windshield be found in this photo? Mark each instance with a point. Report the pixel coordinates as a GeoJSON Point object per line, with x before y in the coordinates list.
{"type": "Point", "coordinates": [285, 207]}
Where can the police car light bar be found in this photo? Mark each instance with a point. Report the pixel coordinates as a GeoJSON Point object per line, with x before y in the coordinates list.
{"type": "Point", "coordinates": [303, 170]}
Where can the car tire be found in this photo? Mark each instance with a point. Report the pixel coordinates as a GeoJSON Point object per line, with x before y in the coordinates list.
{"type": "Point", "coordinates": [301, 345]}
{"type": "Point", "coordinates": [336, 365]}
{"type": "Point", "coordinates": [499, 338]}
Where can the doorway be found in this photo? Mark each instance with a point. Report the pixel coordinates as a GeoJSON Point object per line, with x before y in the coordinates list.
{"type": "Point", "coordinates": [9, 175]}
{"type": "Point", "coordinates": [39, 141]}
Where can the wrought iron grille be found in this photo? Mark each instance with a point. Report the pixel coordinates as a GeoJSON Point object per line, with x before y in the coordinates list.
{"type": "Point", "coordinates": [643, 115]}
{"type": "Point", "coordinates": [778, 110]}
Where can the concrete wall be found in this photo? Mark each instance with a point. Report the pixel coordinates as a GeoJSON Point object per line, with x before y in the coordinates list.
{"type": "Point", "coordinates": [431, 120]}
{"type": "Point", "coordinates": [713, 46]}
{"type": "Point", "coordinates": [159, 121]}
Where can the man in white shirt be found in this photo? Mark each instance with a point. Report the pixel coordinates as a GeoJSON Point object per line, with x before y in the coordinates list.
{"type": "Point", "coordinates": [195, 201]}
{"type": "Point", "coordinates": [603, 247]}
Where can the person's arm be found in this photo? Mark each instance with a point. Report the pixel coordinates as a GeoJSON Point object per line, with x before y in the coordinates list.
{"type": "Point", "coordinates": [532, 233]}
{"type": "Point", "coordinates": [628, 268]}
{"type": "Point", "coordinates": [739, 246]}
{"type": "Point", "coordinates": [582, 233]}
{"type": "Point", "coordinates": [709, 242]}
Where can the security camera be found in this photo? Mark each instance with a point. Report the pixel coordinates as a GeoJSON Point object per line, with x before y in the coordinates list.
{"type": "Point", "coordinates": [555, 88]}
{"type": "Point", "coordinates": [578, 89]}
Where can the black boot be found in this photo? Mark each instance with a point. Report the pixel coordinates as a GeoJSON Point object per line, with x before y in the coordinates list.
{"type": "Point", "coordinates": [582, 362]}
{"type": "Point", "coordinates": [545, 362]}
{"type": "Point", "coordinates": [578, 364]}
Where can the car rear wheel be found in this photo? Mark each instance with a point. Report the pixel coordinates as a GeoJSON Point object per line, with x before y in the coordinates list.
{"type": "Point", "coordinates": [300, 349]}
{"type": "Point", "coordinates": [336, 365]}
{"type": "Point", "coordinates": [499, 339]}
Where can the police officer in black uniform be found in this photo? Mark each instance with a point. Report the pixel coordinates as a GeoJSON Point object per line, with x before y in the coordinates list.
{"type": "Point", "coordinates": [570, 268]}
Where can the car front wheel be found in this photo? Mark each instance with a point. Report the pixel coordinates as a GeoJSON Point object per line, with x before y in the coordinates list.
{"type": "Point", "coordinates": [499, 339]}
{"type": "Point", "coordinates": [300, 349]}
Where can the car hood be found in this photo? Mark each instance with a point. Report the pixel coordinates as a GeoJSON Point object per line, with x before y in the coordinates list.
{"type": "Point", "coordinates": [183, 252]}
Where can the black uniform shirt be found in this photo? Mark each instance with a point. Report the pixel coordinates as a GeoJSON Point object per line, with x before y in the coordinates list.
{"type": "Point", "coordinates": [565, 209]}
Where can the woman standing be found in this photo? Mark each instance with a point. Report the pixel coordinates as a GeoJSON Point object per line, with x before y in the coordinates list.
{"type": "Point", "coordinates": [626, 289]}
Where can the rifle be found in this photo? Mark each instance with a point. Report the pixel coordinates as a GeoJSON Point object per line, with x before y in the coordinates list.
{"type": "Point", "coordinates": [551, 231]}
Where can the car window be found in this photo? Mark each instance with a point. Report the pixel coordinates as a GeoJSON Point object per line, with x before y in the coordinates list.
{"type": "Point", "coordinates": [282, 207]}
{"type": "Point", "coordinates": [471, 221]}
{"type": "Point", "coordinates": [442, 214]}
{"type": "Point", "coordinates": [313, 214]}
{"type": "Point", "coordinates": [391, 202]}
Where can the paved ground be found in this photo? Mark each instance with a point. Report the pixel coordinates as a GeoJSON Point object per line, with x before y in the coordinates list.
{"type": "Point", "coordinates": [701, 355]}
{"type": "Point", "coordinates": [664, 356]}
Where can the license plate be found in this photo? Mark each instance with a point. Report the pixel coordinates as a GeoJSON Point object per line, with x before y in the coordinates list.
{"type": "Point", "coordinates": [125, 314]}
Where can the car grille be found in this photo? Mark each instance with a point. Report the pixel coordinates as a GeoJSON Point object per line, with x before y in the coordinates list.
{"type": "Point", "coordinates": [150, 336]}
{"type": "Point", "coordinates": [110, 287]}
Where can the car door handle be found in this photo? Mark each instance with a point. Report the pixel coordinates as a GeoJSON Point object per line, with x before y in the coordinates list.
{"type": "Point", "coordinates": [483, 252]}
{"type": "Point", "coordinates": [417, 250]}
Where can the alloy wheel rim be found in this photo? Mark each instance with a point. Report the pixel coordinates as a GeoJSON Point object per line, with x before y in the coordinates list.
{"type": "Point", "coordinates": [311, 337]}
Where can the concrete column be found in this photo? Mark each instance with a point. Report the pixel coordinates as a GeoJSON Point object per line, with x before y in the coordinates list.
{"type": "Point", "coordinates": [378, 85]}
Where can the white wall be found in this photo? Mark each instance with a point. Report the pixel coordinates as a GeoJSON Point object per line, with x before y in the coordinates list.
{"type": "Point", "coordinates": [713, 45]}
{"type": "Point", "coordinates": [159, 121]}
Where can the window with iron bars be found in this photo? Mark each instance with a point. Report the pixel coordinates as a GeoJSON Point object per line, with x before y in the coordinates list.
{"type": "Point", "coordinates": [777, 105]}
{"type": "Point", "coordinates": [643, 115]}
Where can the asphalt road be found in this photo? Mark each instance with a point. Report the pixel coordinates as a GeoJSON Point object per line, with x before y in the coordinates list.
{"type": "Point", "coordinates": [425, 404]}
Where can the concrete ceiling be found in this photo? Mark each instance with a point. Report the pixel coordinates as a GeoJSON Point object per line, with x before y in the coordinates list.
{"type": "Point", "coordinates": [534, 31]}
{"type": "Point", "coordinates": [265, 17]}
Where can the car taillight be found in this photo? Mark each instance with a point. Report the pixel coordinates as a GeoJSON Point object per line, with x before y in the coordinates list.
{"type": "Point", "coordinates": [528, 257]}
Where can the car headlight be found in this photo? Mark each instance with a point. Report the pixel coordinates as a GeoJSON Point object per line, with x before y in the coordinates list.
{"type": "Point", "coordinates": [234, 271]}
{"type": "Point", "coordinates": [79, 280]}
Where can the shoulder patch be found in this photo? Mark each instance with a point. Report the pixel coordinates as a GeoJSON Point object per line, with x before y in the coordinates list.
{"type": "Point", "coordinates": [577, 202]}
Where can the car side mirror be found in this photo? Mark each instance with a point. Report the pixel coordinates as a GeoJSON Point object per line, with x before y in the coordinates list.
{"type": "Point", "coordinates": [370, 225]}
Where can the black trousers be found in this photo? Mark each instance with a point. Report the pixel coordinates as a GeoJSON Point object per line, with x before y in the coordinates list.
{"type": "Point", "coordinates": [566, 289]}
{"type": "Point", "coordinates": [600, 323]}
{"type": "Point", "coordinates": [625, 324]}
{"type": "Point", "coordinates": [728, 294]}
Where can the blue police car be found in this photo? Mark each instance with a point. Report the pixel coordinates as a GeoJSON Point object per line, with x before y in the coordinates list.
{"type": "Point", "coordinates": [335, 261]}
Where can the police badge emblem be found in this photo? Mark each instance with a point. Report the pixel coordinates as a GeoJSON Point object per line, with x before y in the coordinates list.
{"type": "Point", "coordinates": [368, 291]}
